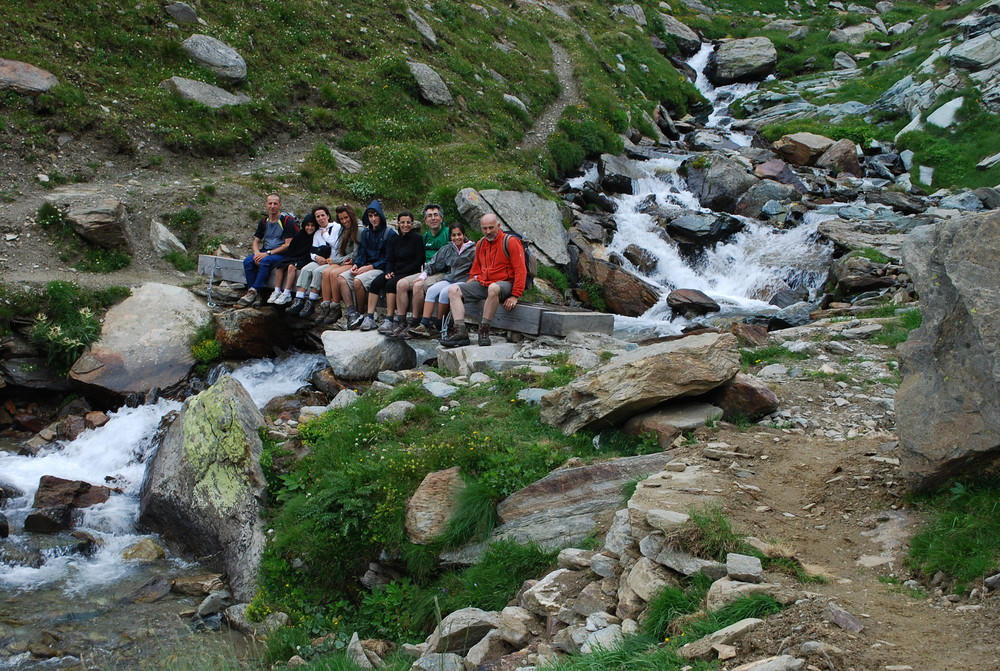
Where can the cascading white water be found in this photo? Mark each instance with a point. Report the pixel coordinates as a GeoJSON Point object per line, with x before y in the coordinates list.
{"type": "Point", "coordinates": [116, 454]}
{"type": "Point", "coordinates": [740, 273]}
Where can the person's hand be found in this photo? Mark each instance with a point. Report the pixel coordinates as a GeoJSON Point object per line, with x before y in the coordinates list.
{"type": "Point", "coordinates": [259, 256]}
{"type": "Point", "coordinates": [354, 268]}
{"type": "Point", "coordinates": [389, 276]}
{"type": "Point", "coordinates": [510, 303]}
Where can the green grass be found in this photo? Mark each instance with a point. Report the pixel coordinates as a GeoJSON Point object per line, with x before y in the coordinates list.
{"type": "Point", "coordinates": [961, 537]}
{"type": "Point", "coordinates": [763, 356]}
{"type": "Point", "coordinates": [898, 330]}
{"type": "Point", "coordinates": [711, 535]}
{"type": "Point", "coordinates": [896, 586]}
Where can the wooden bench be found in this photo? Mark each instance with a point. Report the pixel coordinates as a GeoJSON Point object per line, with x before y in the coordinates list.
{"type": "Point", "coordinates": [529, 318]}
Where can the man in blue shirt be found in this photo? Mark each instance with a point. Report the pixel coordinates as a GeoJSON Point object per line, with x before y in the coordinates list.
{"type": "Point", "coordinates": [273, 235]}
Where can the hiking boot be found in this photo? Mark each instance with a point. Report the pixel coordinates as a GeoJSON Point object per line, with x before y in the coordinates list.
{"type": "Point", "coordinates": [420, 331]}
{"type": "Point", "coordinates": [308, 308]}
{"type": "Point", "coordinates": [250, 298]}
{"type": "Point", "coordinates": [401, 331]}
{"type": "Point", "coordinates": [296, 306]}
{"type": "Point", "coordinates": [484, 337]}
{"type": "Point", "coordinates": [366, 323]}
{"type": "Point", "coordinates": [386, 327]}
{"type": "Point", "coordinates": [460, 338]}
{"type": "Point", "coordinates": [334, 314]}
{"type": "Point", "coordinates": [283, 299]}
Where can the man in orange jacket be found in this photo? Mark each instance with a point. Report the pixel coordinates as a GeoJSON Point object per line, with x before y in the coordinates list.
{"type": "Point", "coordinates": [499, 273]}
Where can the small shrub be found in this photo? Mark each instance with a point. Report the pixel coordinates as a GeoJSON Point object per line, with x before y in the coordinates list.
{"type": "Point", "coordinates": [182, 261]}
{"type": "Point", "coordinates": [185, 224]}
{"type": "Point", "coordinates": [207, 351]}
{"type": "Point", "coordinates": [555, 277]}
{"type": "Point", "coordinates": [104, 261]}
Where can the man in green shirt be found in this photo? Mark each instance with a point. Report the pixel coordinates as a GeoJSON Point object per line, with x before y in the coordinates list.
{"type": "Point", "coordinates": [435, 232]}
{"type": "Point", "coordinates": [435, 237]}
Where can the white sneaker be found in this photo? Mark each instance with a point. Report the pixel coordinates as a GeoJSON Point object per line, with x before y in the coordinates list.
{"type": "Point", "coordinates": [284, 299]}
{"type": "Point", "coordinates": [273, 298]}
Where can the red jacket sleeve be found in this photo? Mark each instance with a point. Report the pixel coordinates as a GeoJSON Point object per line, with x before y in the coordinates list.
{"type": "Point", "coordinates": [477, 266]}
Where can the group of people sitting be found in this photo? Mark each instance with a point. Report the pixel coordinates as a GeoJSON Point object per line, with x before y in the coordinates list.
{"type": "Point", "coordinates": [330, 268]}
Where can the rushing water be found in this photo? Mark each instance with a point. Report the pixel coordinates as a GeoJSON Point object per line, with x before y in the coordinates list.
{"type": "Point", "coordinates": [81, 596]}
{"type": "Point", "coordinates": [740, 273]}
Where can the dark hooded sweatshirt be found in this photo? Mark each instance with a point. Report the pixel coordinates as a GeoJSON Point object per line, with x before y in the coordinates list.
{"type": "Point", "coordinates": [373, 245]}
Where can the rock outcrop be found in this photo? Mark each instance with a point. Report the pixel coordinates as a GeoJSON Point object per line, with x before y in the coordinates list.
{"type": "Point", "coordinates": [204, 488]}
{"type": "Point", "coordinates": [639, 380]}
{"type": "Point", "coordinates": [535, 218]}
{"type": "Point", "coordinates": [948, 404]}
{"type": "Point", "coordinates": [145, 342]}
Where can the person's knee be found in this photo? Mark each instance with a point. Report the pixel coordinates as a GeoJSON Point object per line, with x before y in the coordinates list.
{"type": "Point", "coordinates": [494, 290]}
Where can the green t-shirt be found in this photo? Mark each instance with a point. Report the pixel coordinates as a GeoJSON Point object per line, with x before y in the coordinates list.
{"type": "Point", "coordinates": [432, 242]}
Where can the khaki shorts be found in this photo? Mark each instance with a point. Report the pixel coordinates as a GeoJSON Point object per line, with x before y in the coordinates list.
{"type": "Point", "coordinates": [366, 278]}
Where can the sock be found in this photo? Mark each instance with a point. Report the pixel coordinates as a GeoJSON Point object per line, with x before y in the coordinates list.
{"type": "Point", "coordinates": [425, 321]}
{"type": "Point", "coordinates": [313, 295]}
{"type": "Point", "coordinates": [301, 294]}
{"type": "Point", "coordinates": [287, 292]}
{"type": "Point", "coordinates": [436, 322]}
{"type": "Point", "coordinates": [370, 315]}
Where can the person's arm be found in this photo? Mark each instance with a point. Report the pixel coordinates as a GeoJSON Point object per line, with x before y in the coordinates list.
{"type": "Point", "coordinates": [281, 248]}
{"type": "Point", "coordinates": [518, 261]}
{"type": "Point", "coordinates": [477, 265]}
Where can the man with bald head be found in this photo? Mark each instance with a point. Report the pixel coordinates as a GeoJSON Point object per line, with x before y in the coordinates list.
{"type": "Point", "coordinates": [499, 274]}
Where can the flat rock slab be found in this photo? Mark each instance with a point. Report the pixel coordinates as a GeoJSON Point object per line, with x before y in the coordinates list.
{"type": "Point", "coordinates": [639, 380]}
{"type": "Point", "coordinates": [362, 355]}
{"type": "Point", "coordinates": [468, 360]}
{"type": "Point", "coordinates": [25, 78]}
{"type": "Point", "coordinates": [145, 341]}
{"type": "Point", "coordinates": [673, 491]}
{"type": "Point", "coordinates": [200, 92]}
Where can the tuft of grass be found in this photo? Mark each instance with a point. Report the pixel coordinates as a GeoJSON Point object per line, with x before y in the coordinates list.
{"type": "Point", "coordinates": [182, 261]}
{"type": "Point", "coordinates": [475, 517]}
{"type": "Point", "coordinates": [897, 331]}
{"type": "Point", "coordinates": [961, 538]}
{"type": "Point", "coordinates": [763, 356]}
{"type": "Point", "coordinates": [710, 534]}
{"type": "Point", "coordinates": [104, 261]}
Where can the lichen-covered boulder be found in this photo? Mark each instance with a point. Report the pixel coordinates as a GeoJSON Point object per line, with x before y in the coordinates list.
{"type": "Point", "coordinates": [204, 487]}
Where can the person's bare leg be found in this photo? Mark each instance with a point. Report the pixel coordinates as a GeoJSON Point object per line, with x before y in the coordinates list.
{"type": "Point", "coordinates": [455, 300]}
{"type": "Point", "coordinates": [372, 300]}
{"type": "Point", "coordinates": [360, 293]}
{"type": "Point", "coordinates": [401, 299]}
{"type": "Point", "coordinates": [492, 301]}
{"type": "Point", "coordinates": [345, 291]}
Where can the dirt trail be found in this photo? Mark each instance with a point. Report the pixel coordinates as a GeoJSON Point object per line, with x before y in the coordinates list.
{"type": "Point", "coordinates": [569, 95]}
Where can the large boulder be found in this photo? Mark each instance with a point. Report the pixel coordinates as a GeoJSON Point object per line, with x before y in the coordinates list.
{"type": "Point", "coordinates": [432, 88]}
{"type": "Point", "coordinates": [624, 292]}
{"type": "Point", "coordinates": [433, 505]}
{"type": "Point", "coordinates": [217, 56]}
{"type": "Point", "coordinates": [718, 181]}
{"type": "Point", "coordinates": [361, 355]}
{"type": "Point", "coordinates": [251, 333]}
{"type": "Point", "coordinates": [528, 214]}
{"type": "Point", "coordinates": [686, 39]}
{"type": "Point", "coordinates": [145, 342]}
{"type": "Point", "coordinates": [948, 406]}
{"type": "Point", "coordinates": [25, 78]}
{"type": "Point", "coordinates": [204, 488]}
{"type": "Point", "coordinates": [638, 380]}
{"type": "Point", "coordinates": [744, 396]}
{"type": "Point", "coordinates": [461, 630]}
{"type": "Point", "coordinates": [102, 223]}
{"type": "Point", "coordinates": [55, 491]}
{"type": "Point", "coordinates": [753, 202]}
{"type": "Point", "coordinates": [690, 303]}
{"type": "Point", "coordinates": [618, 174]}
{"type": "Point", "coordinates": [200, 92]}
{"type": "Point", "coordinates": [841, 157]}
{"type": "Point", "coordinates": [802, 148]}
{"type": "Point", "coordinates": [701, 228]}
{"type": "Point", "coordinates": [747, 60]}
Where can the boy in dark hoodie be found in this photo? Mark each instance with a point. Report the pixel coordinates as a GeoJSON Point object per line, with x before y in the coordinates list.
{"type": "Point", "coordinates": [369, 261]}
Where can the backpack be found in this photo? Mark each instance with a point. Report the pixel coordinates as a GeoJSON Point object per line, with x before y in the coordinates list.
{"type": "Point", "coordinates": [530, 262]}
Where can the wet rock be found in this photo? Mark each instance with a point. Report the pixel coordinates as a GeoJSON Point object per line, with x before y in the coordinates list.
{"type": "Point", "coordinates": [618, 175]}
{"type": "Point", "coordinates": [198, 585]}
{"type": "Point", "coordinates": [745, 60]}
{"type": "Point", "coordinates": [4, 526]}
{"type": "Point", "coordinates": [146, 551]}
{"type": "Point", "coordinates": [204, 489]}
{"type": "Point", "coordinates": [53, 491]}
{"type": "Point", "coordinates": [214, 603]}
{"type": "Point", "coordinates": [951, 365]}
{"type": "Point", "coordinates": [252, 332]}
{"type": "Point", "coordinates": [753, 202]}
{"type": "Point", "coordinates": [779, 171]}
{"type": "Point", "coordinates": [217, 56]}
{"type": "Point", "coordinates": [792, 316]}
{"type": "Point", "coordinates": [49, 520]}
{"type": "Point", "coordinates": [702, 229]}
{"type": "Point", "coordinates": [644, 260]}
{"type": "Point", "coordinates": [431, 85]}
{"type": "Point", "coordinates": [718, 181]}
{"type": "Point", "coordinates": [145, 342]}
{"type": "Point", "coordinates": [32, 373]}
{"type": "Point", "coordinates": [153, 590]}
{"type": "Point", "coordinates": [624, 292]}
{"type": "Point", "coordinates": [25, 78]}
{"type": "Point", "coordinates": [641, 379]}
{"type": "Point", "coordinates": [95, 419]}
{"type": "Point", "coordinates": [433, 505]}
{"type": "Point", "coordinates": [690, 303]}
{"type": "Point", "coordinates": [854, 273]}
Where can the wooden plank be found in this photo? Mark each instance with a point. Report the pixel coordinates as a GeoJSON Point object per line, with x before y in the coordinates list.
{"type": "Point", "coordinates": [525, 317]}
{"type": "Point", "coordinates": [559, 323]}
{"type": "Point", "coordinates": [229, 270]}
